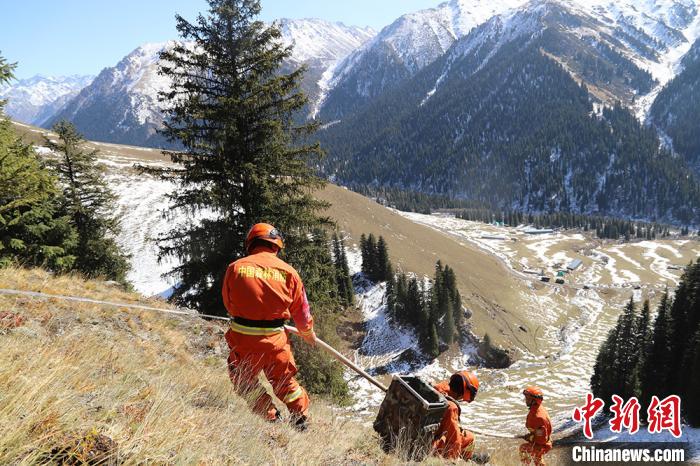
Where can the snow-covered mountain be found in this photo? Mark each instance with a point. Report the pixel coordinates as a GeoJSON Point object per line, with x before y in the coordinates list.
{"type": "Point", "coordinates": [403, 48]}
{"type": "Point", "coordinates": [316, 40]}
{"type": "Point", "coordinates": [121, 105]}
{"type": "Point", "coordinates": [320, 45]}
{"type": "Point", "coordinates": [652, 34]}
{"type": "Point", "coordinates": [503, 117]}
{"type": "Point", "coordinates": [36, 99]}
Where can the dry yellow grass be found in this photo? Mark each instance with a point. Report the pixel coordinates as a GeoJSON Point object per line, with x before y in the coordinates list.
{"type": "Point", "coordinates": [156, 385]}
{"type": "Point", "coordinates": [75, 375]}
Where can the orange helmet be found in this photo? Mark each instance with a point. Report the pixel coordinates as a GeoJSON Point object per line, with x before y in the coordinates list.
{"type": "Point", "coordinates": [265, 232]}
{"type": "Point", "coordinates": [534, 392]}
{"type": "Point", "coordinates": [466, 383]}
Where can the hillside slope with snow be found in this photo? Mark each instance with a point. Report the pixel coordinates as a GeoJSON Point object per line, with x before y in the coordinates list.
{"type": "Point", "coordinates": [402, 49]}
{"type": "Point", "coordinates": [651, 35]}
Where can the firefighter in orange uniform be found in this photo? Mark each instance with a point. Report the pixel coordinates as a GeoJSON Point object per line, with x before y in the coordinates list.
{"type": "Point", "coordinates": [538, 441]}
{"type": "Point", "coordinates": [260, 293]}
{"type": "Point", "coordinates": [451, 440]}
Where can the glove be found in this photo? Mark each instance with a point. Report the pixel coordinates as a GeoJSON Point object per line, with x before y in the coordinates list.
{"type": "Point", "coordinates": [309, 336]}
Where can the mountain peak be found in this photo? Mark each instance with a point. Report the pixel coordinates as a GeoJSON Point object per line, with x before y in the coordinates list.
{"type": "Point", "coordinates": [318, 39]}
{"type": "Point", "coordinates": [34, 99]}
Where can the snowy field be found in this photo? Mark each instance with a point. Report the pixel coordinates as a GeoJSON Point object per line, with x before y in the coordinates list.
{"type": "Point", "coordinates": [655, 263]}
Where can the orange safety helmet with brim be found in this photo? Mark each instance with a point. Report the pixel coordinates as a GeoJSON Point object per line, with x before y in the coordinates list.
{"type": "Point", "coordinates": [466, 383]}
{"type": "Point", "coordinates": [534, 392]}
{"type": "Point", "coordinates": [264, 232]}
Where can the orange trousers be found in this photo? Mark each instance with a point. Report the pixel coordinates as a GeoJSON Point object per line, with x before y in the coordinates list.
{"type": "Point", "coordinates": [271, 355]}
{"type": "Point", "coordinates": [533, 452]}
{"type": "Point", "coordinates": [460, 447]}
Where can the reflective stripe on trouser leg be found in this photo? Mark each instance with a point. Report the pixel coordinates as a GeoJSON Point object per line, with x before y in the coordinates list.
{"type": "Point", "coordinates": [291, 396]}
{"type": "Point", "coordinates": [296, 398]}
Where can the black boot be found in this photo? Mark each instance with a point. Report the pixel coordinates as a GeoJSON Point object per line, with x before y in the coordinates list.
{"type": "Point", "coordinates": [301, 423]}
{"type": "Point", "coordinates": [480, 458]}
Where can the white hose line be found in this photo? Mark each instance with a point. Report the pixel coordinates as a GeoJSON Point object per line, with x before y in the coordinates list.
{"type": "Point", "coordinates": [37, 294]}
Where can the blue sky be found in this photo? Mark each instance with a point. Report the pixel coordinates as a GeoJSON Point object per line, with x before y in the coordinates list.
{"type": "Point", "coordinates": [63, 37]}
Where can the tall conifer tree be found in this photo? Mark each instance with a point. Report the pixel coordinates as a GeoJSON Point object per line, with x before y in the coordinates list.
{"type": "Point", "coordinates": [383, 266]}
{"type": "Point", "coordinates": [90, 205]}
{"type": "Point", "coordinates": [243, 158]}
{"type": "Point", "coordinates": [655, 372]}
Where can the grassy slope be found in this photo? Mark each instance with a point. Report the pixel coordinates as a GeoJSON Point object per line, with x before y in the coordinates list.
{"type": "Point", "coordinates": [486, 288]}
{"type": "Point", "coordinates": [155, 384]}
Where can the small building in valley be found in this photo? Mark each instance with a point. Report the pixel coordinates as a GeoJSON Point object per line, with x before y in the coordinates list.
{"type": "Point", "coordinates": [574, 264]}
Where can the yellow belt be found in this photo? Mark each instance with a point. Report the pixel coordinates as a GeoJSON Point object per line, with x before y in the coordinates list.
{"type": "Point", "coordinates": [257, 331]}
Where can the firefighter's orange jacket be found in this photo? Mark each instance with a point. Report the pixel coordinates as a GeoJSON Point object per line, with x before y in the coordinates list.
{"type": "Point", "coordinates": [262, 286]}
{"type": "Point", "coordinates": [538, 419]}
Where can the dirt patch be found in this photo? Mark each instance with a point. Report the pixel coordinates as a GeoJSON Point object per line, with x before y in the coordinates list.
{"type": "Point", "coordinates": [91, 448]}
{"type": "Point", "coordinates": [351, 329]}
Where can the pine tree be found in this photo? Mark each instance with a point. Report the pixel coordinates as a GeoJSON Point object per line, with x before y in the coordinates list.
{"type": "Point", "coordinates": [243, 158]}
{"type": "Point", "coordinates": [391, 298]}
{"type": "Point", "coordinates": [442, 305]}
{"type": "Point", "coordinates": [372, 264]}
{"type": "Point", "coordinates": [345, 270]}
{"type": "Point", "coordinates": [364, 252]}
{"type": "Point", "coordinates": [688, 329]}
{"type": "Point", "coordinates": [401, 298]}
{"type": "Point", "coordinates": [338, 268]}
{"type": "Point", "coordinates": [692, 403]}
{"type": "Point", "coordinates": [455, 299]}
{"type": "Point", "coordinates": [655, 372]}
{"type": "Point", "coordinates": [414, 304]}
{"type": "Point", "coordinates": [625, 352]}
{"type": "Point", "coordinates": [90, 205]}
{"type": "Point", "coordinates": [641, 346]}
{"type": "Point", "coordinates": [33, 230]}
{"type": "Point", "coordinates": [432, 346]}
{"type": "Point", "coordinates": [342, 272]}
{"type": "Point", "coordinates": [383, 266]}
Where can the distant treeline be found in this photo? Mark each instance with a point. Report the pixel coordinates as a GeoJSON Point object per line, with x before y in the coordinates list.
{"type": "Point", "coordinates": [604, 227]}
{"type": "Point", "coordinates": [412, 201]}
{"type": "Point", "coordinates": [643, 360]}
{"type": "Point", "coordinates": [432, 308]}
